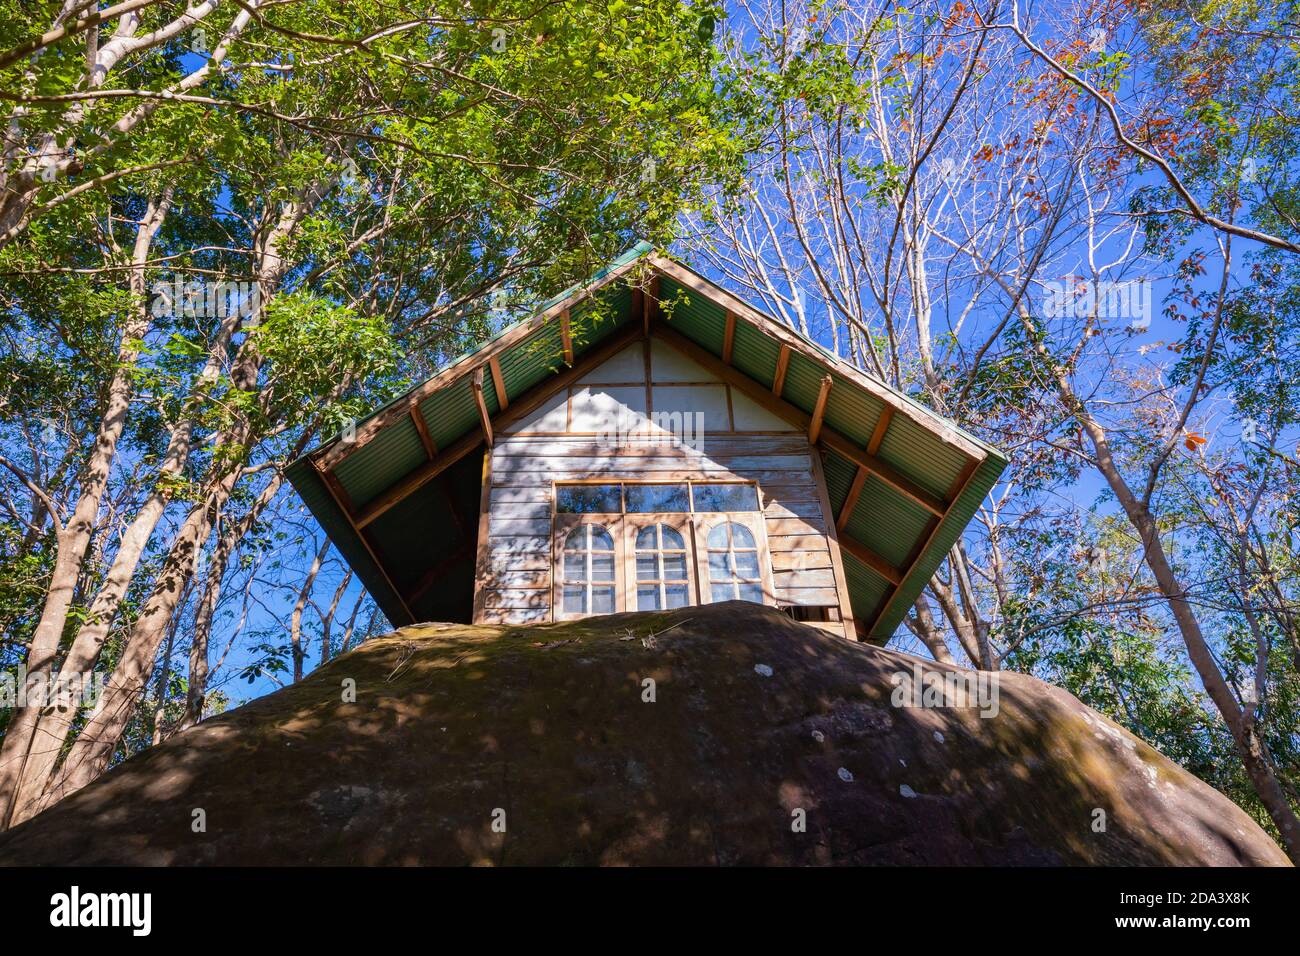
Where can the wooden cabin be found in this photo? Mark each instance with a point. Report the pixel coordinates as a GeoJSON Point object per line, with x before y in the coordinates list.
{"type": "Point", "coordinates": [648, 441]}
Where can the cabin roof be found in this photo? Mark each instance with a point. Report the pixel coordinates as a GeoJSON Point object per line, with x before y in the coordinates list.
{"type": "Point", "coordinates": [903, 481]}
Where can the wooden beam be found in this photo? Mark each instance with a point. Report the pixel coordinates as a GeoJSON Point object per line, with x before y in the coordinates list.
{"type": "Point", "coordinates": [851, 499]}
{"type": "Point", "coordinates": [529, 402]}
{"type": "Point", "coordinates": [872, 560]}
{"type": "Point", "coordinates": [882, 426]}
{"type": "Point", "coordinates": [331, 454]}
{"type": "Point", "coordinates": [485, 420]}
{"type": "Point", "coordinates": [331, 483]}
{"type": "Point", "coordinates": [819, 411]}
{"type": "Point", "coordinates": [729, 337]}
{"type": "Point", "coordinates": [499, 383]}
{"type": "Point", "coordinates": [566, 337]}
{"type": "Point", "coordinates": [782, 363]}
{"type": "Point", "coordinates": [955, 492]}
{"type": "Point", "coordinates": [828, 436]}
{"type": "Point", "coordinates": [421, 426]}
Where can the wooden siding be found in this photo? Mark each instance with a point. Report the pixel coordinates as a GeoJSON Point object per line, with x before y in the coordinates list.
{"type": "Point", "coordinates": [517, 563]}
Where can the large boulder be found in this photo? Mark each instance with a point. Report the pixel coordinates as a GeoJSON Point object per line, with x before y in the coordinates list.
{"type": "Point", "coordinates": [539, 745]}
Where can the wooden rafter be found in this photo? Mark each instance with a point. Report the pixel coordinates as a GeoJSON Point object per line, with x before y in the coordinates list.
{"type": "Point", "coordinates": [499, 383]}
{"type": "Point", "coordinates": [522, 406]}
{"type": "Point", "coordinates": [819, 411]}
{"type": "Point", "coordinates": [882, 426]}
{"type": "Point", "coordinates": [485, 420]}
{"type": "Point", "coordinates": [851, 499]}
{"type": "Point", "coordinates": [782, 363]}
{"type": "Point", "coordinates": [566, 337]}
{"type": "Point", "coordinates": [344, 504]}
{"type": "Point", "coordinates": [872, 560]}
{"type": "Point", "coordinates": [729, 337]}
{"type": "Point", "coordinates": [421, 426]}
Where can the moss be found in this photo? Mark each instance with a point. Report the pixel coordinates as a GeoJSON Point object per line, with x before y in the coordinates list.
{"type": "Point", "coordinates": [548, 724]}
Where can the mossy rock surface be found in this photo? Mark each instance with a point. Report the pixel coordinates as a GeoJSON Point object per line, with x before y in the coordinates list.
{"type": "Point", "coordinates": [455, 726]}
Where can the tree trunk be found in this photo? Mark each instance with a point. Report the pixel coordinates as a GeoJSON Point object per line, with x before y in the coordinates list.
{"type": "Point", "coordinates": [20, 740]}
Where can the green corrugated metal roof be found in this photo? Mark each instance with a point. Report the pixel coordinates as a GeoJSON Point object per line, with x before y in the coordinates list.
{"type": "Point", "coordinates": [883, 519]}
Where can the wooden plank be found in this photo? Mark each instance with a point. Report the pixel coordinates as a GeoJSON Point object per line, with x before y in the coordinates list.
{"type": "Point", "coordinates": [518, 598]}
{"type": "Point", "coordinates": [430, 446]}
{"type": "Point", "coordinates": [499, 383]}
{"type": "Point", "coordinates": [499, 527]}
{"type": "Point", "coordinates": [882, 426]}
{"type": "Point", "coordinates": [819, 411]}
{"type": "Point", "coordinates": [566, 337]}
{"type": "Point", "coordinates": [800, 560]}
{"type": "Point", "coordinates": [782, 363]}
{"type": "Point", "coordinates": [729, 337]}
{"type": "Point", "coordinates": [792, 508]}
{"type": "Point", "coordinates": [514, 615]}
{"type": "Point", "coordinates": [804, 578]}
{"type": "Point", "coordinates": [808, 596]}
{"type": "Point", "coordinates": [872, 560]}
{"type": "Point", "coordinates": [524, 579]}
{"type": "Point", "coordinates": [485, 420]}
{"type": "Point", "coordinates": [794, 526]}
{"type": "Point", "coordinates": [521, 445]}
{"type": "Point", "coordinates": [357, 530]}
{"type": "Point", "coordinates": [341, 496]}
{"type": "Point", "coordinates": [454, 452]}
{"type": "Point", "coordinates": [851, 500]}
{"type": "Point", "coordinates": [828, 436]}
{"type": "Point", "coordinates": [520, 510]}
{"type": "Point", "coordinates": [498, 564]}
{"type": "Point", "coordinates": [797, 542]}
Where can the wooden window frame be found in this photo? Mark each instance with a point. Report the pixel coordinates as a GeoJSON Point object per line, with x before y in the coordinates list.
{"type": "Point", "coordinates": [561, 529]}
{"type": "Point", "coordinates": [693, 526]}
{"type": "Point", "coordinates": [756, 524]}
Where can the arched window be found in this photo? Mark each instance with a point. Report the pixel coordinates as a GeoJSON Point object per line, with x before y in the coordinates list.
{"type": "Point", "coordinates": [733, 564]}
{"type": "Point", "coordinates": [587, 584]}
{"type": "Point", "coordinates": [661, 580]}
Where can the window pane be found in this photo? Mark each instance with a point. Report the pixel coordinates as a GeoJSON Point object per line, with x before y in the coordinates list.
{"type": "Point", "coordinates": [575, 600]}
{"type": "Point", "coordinates": [647, 568]}
{"type": "Point", "coordinates": [718, 536]}
{"type": "Point", "coordinates": [575, 566]}
{"type": "Point", "coordinates": [675, 595]}
{"type": "Point", "coordinates": [600, 539]}
{"type": "Point", "coordinates": [672, 539]}
{"type": "Point", "coordinates": [740, 536]}
{"type": "Point", "coordinates": [647, 598]}
{"type": "Point", "coordinates": [576, 540]}
{"type": "Point", "coordinates": [746, 564]}
{"type": "Point", "coordinates": [725, 497]}
{"type": "Point", "coordinates": [674, 567]}
{"type": "Point", "coordinates": [642, 499]}
{"type": "Point", "coordinates": [602, 600]}
{"type": "Point", "coordinates": [602, 567]}
{"type": "Point", "coordinates": [751, 592]}
{"type": "Point", "coordinates": [587, 499]}
{"type": "Point", "coordinates": [723, 592]}
{"type": "Point", "coordinates": [645, 539]}
{"type": "Point", "coordinates": [719, 569]}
